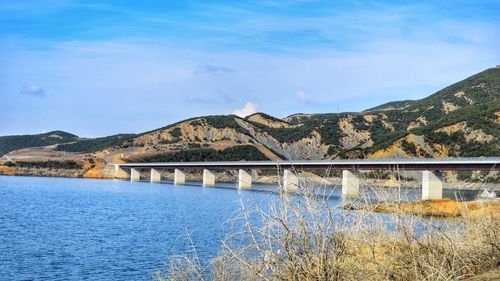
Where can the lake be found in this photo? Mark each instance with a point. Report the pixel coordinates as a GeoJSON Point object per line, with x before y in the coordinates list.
{"type": "Point", "coordinates": [81, 229]}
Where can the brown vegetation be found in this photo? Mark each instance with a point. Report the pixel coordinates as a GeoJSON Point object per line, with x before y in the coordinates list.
{"type": "Point", "coordinates": [437, 208]}
{"type": "Point", "coordinates": [5, 170]}
{"type": "Point", "coordinates": [304, 238]}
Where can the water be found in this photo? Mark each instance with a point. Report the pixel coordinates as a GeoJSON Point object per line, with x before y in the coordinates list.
{"type": "Point", "coordinates": [77, 229]}
{"type": "Point", "coordinates": [80, 229]}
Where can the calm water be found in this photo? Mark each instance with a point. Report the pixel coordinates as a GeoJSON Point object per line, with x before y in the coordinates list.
{"type": "Point", "coordinates": [78, 229]}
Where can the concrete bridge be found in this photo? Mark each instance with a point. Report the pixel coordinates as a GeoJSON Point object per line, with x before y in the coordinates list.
{"type": "Point", "coordinates": [432, 184]}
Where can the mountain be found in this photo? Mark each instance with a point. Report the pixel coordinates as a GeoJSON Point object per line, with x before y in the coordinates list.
{"type": "Point", "coordinates": [460, 120]}
{"type": "Point", "coordinates": [11, 143]}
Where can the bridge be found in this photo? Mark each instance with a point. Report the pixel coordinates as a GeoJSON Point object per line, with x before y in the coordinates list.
{"type": "Point", "coordinates": [432, 183]}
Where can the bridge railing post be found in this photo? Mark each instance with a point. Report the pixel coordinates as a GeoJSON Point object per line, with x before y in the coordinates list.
{"type": "Point", "coordinates": [155, 176]}
{"type": "Point", "coordinates": [350, 184]}
{"type": "Point", "coordinates": [432, 185]}
{"type": "Point", "coordinates": [135, 175]}
{"type": "Point", "coordinates": [179, 177]}
{"type": "Point", "coordinates": [208, 178]}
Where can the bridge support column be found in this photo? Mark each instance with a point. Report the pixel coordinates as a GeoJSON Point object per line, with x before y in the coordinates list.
{"type": "Point", "coordinates": [350, 184]}
{"type": "Point", "coordinates": [120, 173]}
{"type": "Point", "coordinates": [155, 176]}
{"type": "Point", "coordinates": [135, 175]}
{"type": "Point", "coordinates": [208, 178]}
{"type": "Point", "coordinates": [432, 185]}
{"type": "Point", "coordinates": [244, 179]}
{"type": "Point", "coordinates": [290, 181]}
{"type": "Point", "coordinates": [179, 177]}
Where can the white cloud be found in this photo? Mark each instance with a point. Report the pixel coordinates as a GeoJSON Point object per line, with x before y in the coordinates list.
{"type": "Point", "coordinates": [213, 69]}
{"type": "Point", "coordinates": [301, 95]}
{"type": "Point", "coordinates": [33, 90]}
{"type": "Point", "coordinates": [248, 109]}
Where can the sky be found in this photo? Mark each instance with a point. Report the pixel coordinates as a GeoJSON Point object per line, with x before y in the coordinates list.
{"type": "Point", "coordinates": [102, 67]}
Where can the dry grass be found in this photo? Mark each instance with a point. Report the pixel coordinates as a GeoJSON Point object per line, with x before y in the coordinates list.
{"type": "Point", "coordinates": [436, 208]}
{"type": "Point", "coordinates": [487, 276]}
{"type": "Point", "coordinates": [303, 237]}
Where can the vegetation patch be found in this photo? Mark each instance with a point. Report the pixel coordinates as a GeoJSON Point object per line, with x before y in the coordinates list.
{"type": "Point", "coordinates": [222, 121]}
{"type": "Point", "coordinates": [236, 153]}
{"type": "Point", "coordinates": [11, 143]}
{"type": "Point", "coordinates": [93, 145]}
{"type": "Point", "coordinates": [176, 132]}
{"type": "Point", "coordinates": [409, 147]}
{"type": "Point", "coordinates": [50, 164]}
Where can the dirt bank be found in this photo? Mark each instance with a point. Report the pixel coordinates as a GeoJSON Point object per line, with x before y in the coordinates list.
{"type": "Point", "coordinates": [437, 208]}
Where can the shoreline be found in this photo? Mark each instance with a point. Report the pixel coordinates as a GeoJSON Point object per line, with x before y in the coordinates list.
{"type": "Point", "coordinates": [442, 208]}
{"type": "Point", "coordinates": [100, 170]}
{"type": "Point", "coordinates": [272, 180]}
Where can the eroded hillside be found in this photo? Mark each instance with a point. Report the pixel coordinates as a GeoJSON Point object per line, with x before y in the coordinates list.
{"type": "Point", "coordinates": [460, 120]}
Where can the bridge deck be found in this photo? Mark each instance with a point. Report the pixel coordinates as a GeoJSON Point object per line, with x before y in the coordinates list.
{"type": "Point", "coordinates": [475, 164]}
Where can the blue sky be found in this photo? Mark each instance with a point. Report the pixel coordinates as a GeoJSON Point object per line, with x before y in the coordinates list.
{"type": "Point", "coordinates": [96, 68]}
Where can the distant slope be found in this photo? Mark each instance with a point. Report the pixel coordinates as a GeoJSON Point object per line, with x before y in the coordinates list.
{"type": "Point", "coordinates": [267, 120]}
{"type": "Point", "coordinates": [92, 145]}
{"type": "Point", "coordinates": [11, 143]}
{"type": "Point", "coordinates": [297, 118]}
{"type": "Point", "coordinates": [392, 105]}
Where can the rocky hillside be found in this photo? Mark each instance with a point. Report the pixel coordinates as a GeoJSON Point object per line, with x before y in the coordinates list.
{"type": "Point", "coordinates": [460, 120]}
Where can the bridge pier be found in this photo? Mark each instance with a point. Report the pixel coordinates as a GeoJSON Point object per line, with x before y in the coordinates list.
{"type": "Point", "coordinates": [350, 184]}
{"type": "Point", "coordinates": [244, 179]}
{"type": "Point", "coordinates": [432, 185]}
{"type": "Point", "coordinates": [179, 177]}
{"type": "Point", "coordinates": [208, 178]}
{"type": "Point", "coordinates": [120, 173]}
{"type": "Point", "coordinates": [290, 181]}
{"type": "Point", "coordinates": [135, 175]}
{"type": "Point", "coordinates": [155, 176]}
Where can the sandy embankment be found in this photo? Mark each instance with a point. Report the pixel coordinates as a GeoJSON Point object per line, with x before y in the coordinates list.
{"type": "Point", "coordinates": [93, 169]}
{"type": "Point", "coordinates": [438, 208]}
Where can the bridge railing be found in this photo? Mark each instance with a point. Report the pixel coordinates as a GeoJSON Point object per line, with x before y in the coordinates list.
{"type": "Point", "coordinates": [432, 183]}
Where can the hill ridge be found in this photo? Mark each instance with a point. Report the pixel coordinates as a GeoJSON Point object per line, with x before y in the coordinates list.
{"type": "Point", "coordinates": [462, 119]}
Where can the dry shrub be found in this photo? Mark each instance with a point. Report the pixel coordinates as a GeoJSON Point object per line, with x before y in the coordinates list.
{"type": "Point", "coordinates": [303, 237]}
